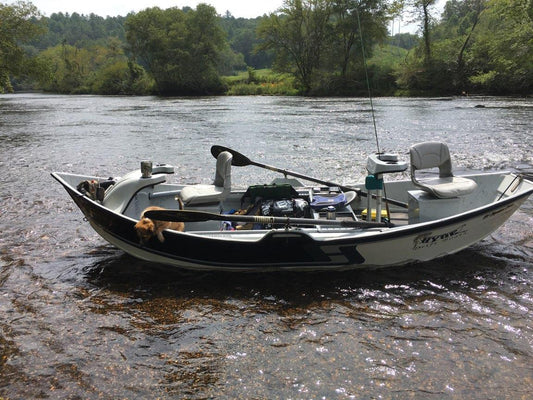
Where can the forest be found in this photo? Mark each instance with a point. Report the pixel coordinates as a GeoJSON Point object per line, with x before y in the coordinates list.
{"type": "Point", "coordinates": [307, 47]}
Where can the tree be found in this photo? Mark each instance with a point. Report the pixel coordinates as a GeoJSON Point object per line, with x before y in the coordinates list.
{"type": "Point", "coordinates": [181, 49]}
{"type": "Point", "coordinates": [423, 14]}
{"type": "Point", "coordinates": [501, 56]}
{"type": "Point", "coordinates": [355, 20]}
{"type": "Point", "coordinates": [18, 25]}
{"type": "Point", "coordinates": [320, 41]}
{"type": "Point", "coordinates": [459, 22]}
{"type": "Point", "coordinates": [479, 46]}
{"type": "Point", "coordinates": [298, 35]}
{"type": "Point", "coordinates": [242, 38]}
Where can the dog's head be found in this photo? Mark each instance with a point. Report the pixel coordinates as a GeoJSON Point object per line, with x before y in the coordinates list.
{"type": "Point", "coordinates": [145, 229]}
{"type": "Point", "coordinates": [88, 188]}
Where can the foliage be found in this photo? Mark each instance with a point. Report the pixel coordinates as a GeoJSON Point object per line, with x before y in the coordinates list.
{"type": "Point", "coordinates": [356, 27]}
{"type": "Point", "coordinates": [243, 39]}
{"type": "Point", "coordinates": [98, 69]}
{"type": "Point", "coordinates": [122, 77]}
{"type": "Point", "coordinates": [298, 37]}
{"type": "Point", "coordinates": [181, 49]}
{"type": "Point", "coordinates": [503, 62]}
{"type": "Point", "coordinates": [261, 82]}
{"type": "Point", "coordinates": [404, 40]}
{"type": "Point", "coordinates": [478, 46]}
{"type": "Point", "coordinates": [320, 41]}
{"type": "Point", "coordinates": [423, 11]}
{"type": "Point", "coordinates": [79, 30]}
{"type": "Point", "coordinates": [314, 46]}
{"type": "Point", "coordinates": [18, 25]}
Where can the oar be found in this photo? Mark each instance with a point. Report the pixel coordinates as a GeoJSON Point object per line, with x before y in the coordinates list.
{"type": "Point", "coordinates": [200, 216]}
{"type": "Point", "coordinates": [240, 160]}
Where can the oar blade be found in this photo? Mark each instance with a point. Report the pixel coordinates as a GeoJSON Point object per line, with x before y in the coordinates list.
{"type": "Point", "coordinates": [239, 160]}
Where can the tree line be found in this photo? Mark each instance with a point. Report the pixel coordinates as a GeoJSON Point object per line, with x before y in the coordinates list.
{"type": "Point", "coordinates": [327, 47]}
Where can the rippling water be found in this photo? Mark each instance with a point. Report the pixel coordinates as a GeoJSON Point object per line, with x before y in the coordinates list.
{"type": "Point", "coordinates": [82, 320]}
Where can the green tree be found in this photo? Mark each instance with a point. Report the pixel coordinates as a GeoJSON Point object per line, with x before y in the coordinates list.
{"type": "Point", "coordinates": [423, 11]}
{"type": "Point", "coordinates": [79, 30]}
{"type": "Point", "coordinates": [69, 68]}
{"type": "Point", "coordinates": [102, 69]}
{"type": "Point", "coordinates": [122, 77]}
{"type": "Point", "coordinates": [181, 49]}
{"type": "Point", "coordinates": [355, 20]}
{"type": "Point", "coordinates": [242, 37]}
{"type": "Point", "coordinates": [320, 41]}
{"type": "Point", "coordinates": [501, 59]}
{"type": "Point", "coordinates": [18, 25]}
{"type": "Point", "coordinates": [480, 46]}
{"type": "Point", "coordinates": [297, 34]}
{"type": "Point", "coordinates": [454, 36]}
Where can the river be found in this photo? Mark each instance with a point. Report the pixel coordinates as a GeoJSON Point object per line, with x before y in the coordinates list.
{"type": "Point", "coordinates": [82, 320]}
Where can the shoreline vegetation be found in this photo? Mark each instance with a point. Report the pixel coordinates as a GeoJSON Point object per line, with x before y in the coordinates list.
{"type": "Point", "coordinates": [307, 47]}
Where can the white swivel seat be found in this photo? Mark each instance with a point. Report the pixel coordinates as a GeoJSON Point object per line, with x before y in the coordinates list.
{"type": "Point", "coordinates": [429, 155]}
{"type": "Point", "coordinates": [210, 194]}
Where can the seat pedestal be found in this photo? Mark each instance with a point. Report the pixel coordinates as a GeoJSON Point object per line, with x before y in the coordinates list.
{"type": "Point", "coordinates": [425, 207]}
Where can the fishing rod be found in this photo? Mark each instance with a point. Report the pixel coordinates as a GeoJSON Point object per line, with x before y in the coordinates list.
{"type": "Point", "coordinates": [371, 100]}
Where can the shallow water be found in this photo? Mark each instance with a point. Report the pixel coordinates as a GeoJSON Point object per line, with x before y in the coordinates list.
{"type": "Point", "coordinates": [81, 319]}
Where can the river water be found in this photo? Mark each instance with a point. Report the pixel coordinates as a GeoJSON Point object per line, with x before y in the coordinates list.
{"type": "Point", "coordinates": [79, 319]}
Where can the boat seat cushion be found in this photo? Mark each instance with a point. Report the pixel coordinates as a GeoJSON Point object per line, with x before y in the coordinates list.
{"type": "Point", "coordinates": [218, 191]}
{"type": "Point", "coordinates": [201, 194]}
{"type": "Point", "coordinates": [445, 188]}
{"type": "Point", "coordinates": [429, 155]}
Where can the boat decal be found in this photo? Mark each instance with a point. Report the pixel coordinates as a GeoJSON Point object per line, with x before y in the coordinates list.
{"type": "Point", "coordinates": [428, 240]}
{"type": "Point", "coordinates": [343, 254]}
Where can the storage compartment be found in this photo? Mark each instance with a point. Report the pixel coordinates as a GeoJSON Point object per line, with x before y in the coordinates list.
{"type": "Point", "coordinates": [425, 207]}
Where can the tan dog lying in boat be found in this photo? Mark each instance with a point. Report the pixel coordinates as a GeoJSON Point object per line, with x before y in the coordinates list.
{"type": "Point", "coordinates": [147, 228]}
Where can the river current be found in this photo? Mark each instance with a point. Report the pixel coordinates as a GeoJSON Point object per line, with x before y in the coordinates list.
{"type": "Point", "coordinates": [79, 319]}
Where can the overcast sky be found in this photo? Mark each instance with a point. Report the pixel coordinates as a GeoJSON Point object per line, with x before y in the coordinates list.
{"type": "Point", "coordinates": [238, 8]}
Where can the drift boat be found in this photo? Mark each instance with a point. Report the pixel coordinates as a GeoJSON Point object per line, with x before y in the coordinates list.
{"type": "Point", "coordinates": [286, 225]}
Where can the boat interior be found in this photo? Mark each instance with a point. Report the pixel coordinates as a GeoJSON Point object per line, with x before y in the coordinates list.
{"type": "Point", "coordinates": [425, 197]}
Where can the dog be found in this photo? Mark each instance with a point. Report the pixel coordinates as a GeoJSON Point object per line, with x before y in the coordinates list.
{"type": "Point", "coordinates": [147, 228]}
{"type": "Point", "coordinates": [94, 189]}
{"type": "Point", "coordinates": [89, 188]}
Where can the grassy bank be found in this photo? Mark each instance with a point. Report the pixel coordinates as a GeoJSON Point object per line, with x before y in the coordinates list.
{"type": "Point", "coordinates": [261, 82]}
